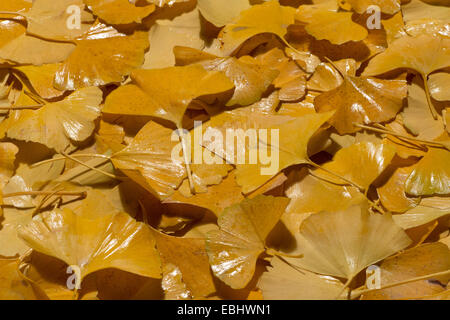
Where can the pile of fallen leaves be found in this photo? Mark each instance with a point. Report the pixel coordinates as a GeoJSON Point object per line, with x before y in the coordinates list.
{"type": "Point", "coordinates": [93, 205]}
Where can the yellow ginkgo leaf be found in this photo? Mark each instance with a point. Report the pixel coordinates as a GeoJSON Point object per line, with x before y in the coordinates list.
{"type": "Point", "coordinates": [19, 6]}
{"type": "Point", "coordinates": [52, 20]}
{"type": "Point", "coordinates": [16, 46]}
{"type": "Point", "coordinates": [440, 86]}
{"type": "Point", "coordinates": [393, 194]}
{"type": "Point", "coordinates": [419, 216]}
{"type": "Point", "coordinates": [284, 282]}
{"type": "Point", "coordinates": [363, 101]}
{"type": "Point", "coordinates": [431, 175]}
{"type": "Point", "coordinates": [268, 17]}
{"type": "Point", "coordinates": [290, 149]}
{"type": "Point", "coordinates": [12, 219]}
{"type": "Point", "coordinates": [148, 160]}
{"type": "Point", "coordinates": [216, 198]}
{"type": "Point", "coordinates": [250, 79]}
{"type": "Point", "coordinates": [336, 27]}
{"type": "Point", "coordinates": [327, 78]}
{"type": "Point", "coordinates": [407, 52]}
{"type": "Point", "coordinates": [361, 163]}
{"type": "Point", "coordinates": [190, 257]}
{"type": "Point", "coordinates": [222, 12]}
{"type": "Point", "coordinates": [8, 153]}
{"type": "Point", "coordinates": [394, 28]}
{"type": "Point", "coordinates": [361, 6]}
{"type": "Point", "coordinates": [92, 244]}
{"type": "Point", "coordinates": [313, 195]}
{"type": "Point", "coordinates": [417, 118]}
{"type": "Point", "coordinates": [419, 10]}
{"type": "Point", "coordinates": [166, 93]}
{"type": "Point", "coordinates": [119, 11]}
{"type": "Point", "coordinates": [234, 249]}
{"type": "Point", "coordinates": [58, 124]}
{"type": "Point", "coordinates": [41, 79]}
{"type": "Point", "coordinates": [12, 285]}
{"type": "Point", "coordinates": [419, 261]}
{"type": "Point", "coordinates": [185, 30]}
{"type": "Point", "coordinates": [343, 243]}
{"type": "Point", "coordinates": [101, 57]}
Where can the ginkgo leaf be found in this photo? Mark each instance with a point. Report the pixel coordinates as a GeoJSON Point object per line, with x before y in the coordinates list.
{"type": "Point", "coordinates": [12, 285]}
{"type": "Point", "coordinates": [419, 10]}
{"type": "Point", "coordinates": [8, 153]}
{"type": "Point", "coordinates": [361, 6]}
{"type": "Point", "coordinates": [190, 257]}
{"type": "Point", "coordinates": [16, 46]}
{"type": "Point", "coordinates": [394, 28]}
{"type": "Point", "coordinates": [119, 11]}
{"type": "Point", "coordinates": [343, 243]}
{"type": "Point", "coordinates": [172, 283]}
{"type": "Point", "coordinates": [12, 219]}
{"type": "Point", "coordinates": [41, 79]}
{"type": "Point", "coordinates": [50, 20]}
{"type": "Point", "coordinates": [327, 78]}
{"type": "Point", "coordinates": [166, 93]}
{"type": "Point", "coordinates": [440, 86]}
{"type": "Point", "coordinates": [292, 148]}
{"type": "Point", "coordinates": [417, 118]}
{"type": "Point", "coordinates": [234, 249]}
{"type": "Point", "coordinates": [336, 27]}
{"type": "Point", "coordinates": [419, 261]}
{"type": "Point", "coordinates": [148, 160]}
{"type": "Point", "coordinates": [361, 163]}
{"type": "Point", "coordinates": [28, 178]}
{"type": "Point", "coordinates": [19, 6]}
{"type": "Point", "coordinates": [362, 100]}
{"type": "Point", "coordinates": [222, 12]}
{"type": "Point", "coordinates": [165, 35]}
{"type": "Point", "coordinates": [250, 79]}
{"type": "Point", "coordinates": [431, 175]}
{"type": "Point", "coordinates": [285, 282]}
{"type": "Point", "coordinates": [102, 56]}
{"type": "Point", "coordinates": [92, 244]}
{"type": "Point", "coordinates": [268, 17]}
{"type": "Point", "coordinates": [407, 52]}
{"type": "Point", "coordinates": [312, 195]}
{"type": "Point", "coordinates": [58, 124]}
{"type": "Point", "coordinates": [393, 194]}
{"type": "Point", "coordinates": [216, 198]}
{"type": "Point", "coordinates": [418, 216]}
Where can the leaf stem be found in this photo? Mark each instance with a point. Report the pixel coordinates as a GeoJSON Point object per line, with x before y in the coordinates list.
{"type": "Point", "coordinates": [399, 135]}
{"type": "Point", "coordinates": [84, 155]}
{"type": "Point", "coordinates": [40, 193]}
{"type": "Point", "coordinates": [113, 176]}
{"type": "Point", "coordinates": [361, 189]}
{"type": "Point", "coordinates": [186, 162]}
{"type": "Point", "coordinates": [399, 283]}
{"type": "Point", "coordinates": [428, 94]}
